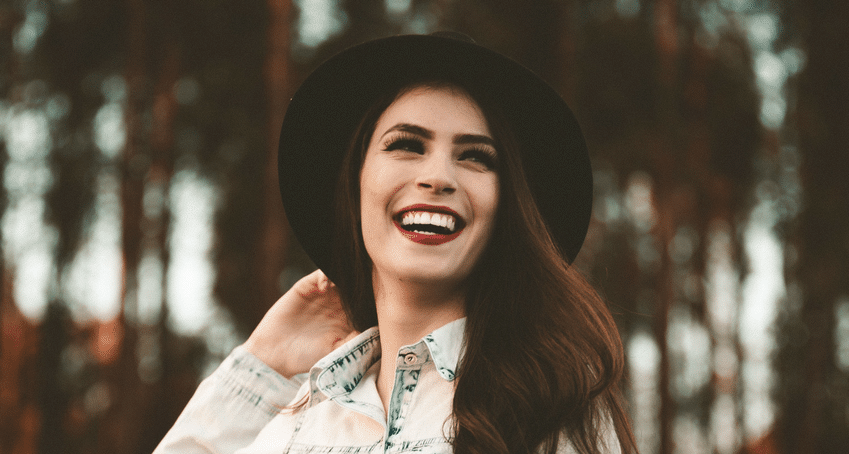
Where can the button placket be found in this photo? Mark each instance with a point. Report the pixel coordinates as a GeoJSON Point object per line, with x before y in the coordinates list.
{"type": "Point", "coordinates": [406, 380]}
{"type": "Point", "coordinates": [409, 363]}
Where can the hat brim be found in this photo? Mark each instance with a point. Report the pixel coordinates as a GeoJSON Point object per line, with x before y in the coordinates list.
{"type": "Point", "coordinates": [325, 111]}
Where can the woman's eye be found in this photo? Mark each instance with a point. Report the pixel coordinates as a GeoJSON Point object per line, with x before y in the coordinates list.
{"type": "Point", "coordinates": [405, 144]}
{"type": "Point", "coordinates": [485, 157]}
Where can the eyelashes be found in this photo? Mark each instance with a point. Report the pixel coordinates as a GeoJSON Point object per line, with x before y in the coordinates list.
{"type": "Point", "coordinates": [404, 141]}
{"type": "Point", "coordinates": [486, 156]}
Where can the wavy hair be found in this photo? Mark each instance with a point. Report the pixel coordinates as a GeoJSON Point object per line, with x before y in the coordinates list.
{"type": "Point", "coordinates": [543, 358]}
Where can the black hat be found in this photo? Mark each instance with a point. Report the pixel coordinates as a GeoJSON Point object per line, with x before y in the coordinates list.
{"type": "Point", "coordinates": [326, 110]}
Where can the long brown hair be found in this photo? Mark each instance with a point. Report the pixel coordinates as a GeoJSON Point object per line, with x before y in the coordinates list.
{"type": "Point", "coordinates": [543, 357]}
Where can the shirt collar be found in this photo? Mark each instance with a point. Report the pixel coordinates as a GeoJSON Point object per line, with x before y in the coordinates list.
{"type": "Point", "coordinates": [339, 372]}
{"type": "Point", "coordinates": [446, 347]}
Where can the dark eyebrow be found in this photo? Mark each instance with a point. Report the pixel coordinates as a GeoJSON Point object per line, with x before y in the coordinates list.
{"type": "Point", "coordinates": [459, 139]}
{"type": "Point", "coordinates": [467, 139]}
{"type": "Point", "coordinates": [412, 129]}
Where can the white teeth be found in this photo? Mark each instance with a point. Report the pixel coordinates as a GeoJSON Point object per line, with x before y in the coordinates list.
{"type": "Point", "coordinates": [422, 217]}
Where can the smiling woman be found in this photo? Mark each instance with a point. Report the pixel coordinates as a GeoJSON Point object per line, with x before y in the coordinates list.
{"type": "Point", "coordinates": [415, 168]}
{"type": "Point", "coordinates": [444, 190]}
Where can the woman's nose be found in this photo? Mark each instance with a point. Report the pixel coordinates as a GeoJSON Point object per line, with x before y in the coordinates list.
{"type": "Point", "coordinates": [437, 175]}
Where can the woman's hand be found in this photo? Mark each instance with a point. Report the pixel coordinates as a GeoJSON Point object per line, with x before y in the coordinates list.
{"type": "Point", "coordinates": [303, 326]}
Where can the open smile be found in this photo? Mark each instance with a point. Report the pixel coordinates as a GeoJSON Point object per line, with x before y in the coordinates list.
{"type": "Point", "coordinates": [429, 224]}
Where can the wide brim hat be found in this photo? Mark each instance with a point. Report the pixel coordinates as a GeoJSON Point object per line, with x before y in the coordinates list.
{"type": "Point", "coordinates": [329, 105]}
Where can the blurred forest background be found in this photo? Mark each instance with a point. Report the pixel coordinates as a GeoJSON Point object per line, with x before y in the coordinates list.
{"type": "Point", "coordinates": [143, 237]}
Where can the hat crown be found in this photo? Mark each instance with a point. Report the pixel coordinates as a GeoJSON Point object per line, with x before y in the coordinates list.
{"type": "Point", "coordinates": [454, 35]}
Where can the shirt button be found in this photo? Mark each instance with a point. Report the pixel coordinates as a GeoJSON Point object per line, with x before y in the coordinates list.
{"type": "Point", "coordinates": [410, 359]}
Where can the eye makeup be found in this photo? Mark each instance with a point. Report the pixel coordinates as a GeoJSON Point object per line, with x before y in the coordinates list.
{"type": "Point", "coordinates": [484, 155]}
{"type": "Point", "coordinates": [479, 152]}
{"type": "Point", "coordinates": [404, 141]}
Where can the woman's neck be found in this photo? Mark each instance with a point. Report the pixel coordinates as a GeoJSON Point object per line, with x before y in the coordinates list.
{"type": "Point", "coordinates": [406, 313]}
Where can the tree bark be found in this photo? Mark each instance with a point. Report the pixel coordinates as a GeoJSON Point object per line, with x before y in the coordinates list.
{"type": "Point", "coordinates": [815, 391]}
{"type": "Point", "coordinates": [273, 243]}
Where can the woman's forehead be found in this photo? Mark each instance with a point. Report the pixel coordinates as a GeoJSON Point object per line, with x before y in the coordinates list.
{"type": "Point", "coordinates": [440, 109]}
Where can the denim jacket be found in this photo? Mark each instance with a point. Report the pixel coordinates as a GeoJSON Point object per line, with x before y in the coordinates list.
{"type": "Point", "coordinates": [240, 408]}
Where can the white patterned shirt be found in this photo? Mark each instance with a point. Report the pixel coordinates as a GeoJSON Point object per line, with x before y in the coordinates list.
{"type": "Point", "coordinates": [240, 408]}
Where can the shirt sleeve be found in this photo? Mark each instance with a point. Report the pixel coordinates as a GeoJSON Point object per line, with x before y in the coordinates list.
{"type": "Point", "coordinates": [230, 407]}
{"type": "Point", "coordinates": [608, 443]}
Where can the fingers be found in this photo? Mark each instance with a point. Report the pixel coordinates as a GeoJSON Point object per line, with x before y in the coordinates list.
{"type": "Point", "coordinates": [314, 284]}
{"type": "Point", "coordinates": [309, 284]}
{"type": "Point", "coordinates": [322, 282]}
{"type": "Point", "coordinates": [318, 294]}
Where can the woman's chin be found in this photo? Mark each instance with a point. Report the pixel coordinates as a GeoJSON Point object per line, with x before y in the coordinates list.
{"type": "Point", "coordinates": [439, 275]}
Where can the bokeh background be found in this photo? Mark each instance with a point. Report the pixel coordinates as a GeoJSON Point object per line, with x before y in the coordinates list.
{"type": "Point", "coordinates": [143, 236]}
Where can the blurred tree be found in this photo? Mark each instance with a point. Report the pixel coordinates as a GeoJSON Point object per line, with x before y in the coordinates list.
{"type": "Point", "coordinates": [364, 21]}
{"type": "Point", "coordinates": [245, 80]}
{"type": "Point", "coordinates": [541, 35]}
{"type": "Point", "coordinates": [813, 390]}
{"type": "Point", "coordinates": [8, 22]}
{"type": "Point", "coordinates": [665, 112]}
{"type": "Point", "coordinates": [193, 93]}
{"type": "Point", "coordinates": [78, 46]}
{"type": "Point", "coordinates": [273, 248]}
{"type": "Point", "coordinates": [53, 386]}
{"type": "Point", "coordinates": [16, 402]}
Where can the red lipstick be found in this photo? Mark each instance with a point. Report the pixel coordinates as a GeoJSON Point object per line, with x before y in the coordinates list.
{"type": "Point", "coordinates": [430, 239]}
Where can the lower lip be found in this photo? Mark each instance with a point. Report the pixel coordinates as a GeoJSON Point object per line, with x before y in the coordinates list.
{"type": "Point", "coordinates": [427, 239]}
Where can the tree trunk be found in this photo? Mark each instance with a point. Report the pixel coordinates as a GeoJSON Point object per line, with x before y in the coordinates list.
{"type": "Point", "coordinates": [273, 243]}
{"type": "Point", "coordinates": [666, 36]}
{"type": "Point", "coordinates": [815, 391]}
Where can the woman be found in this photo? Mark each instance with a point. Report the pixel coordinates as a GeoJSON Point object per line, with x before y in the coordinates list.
{"type": "Point", "coordinates": [444, 189]}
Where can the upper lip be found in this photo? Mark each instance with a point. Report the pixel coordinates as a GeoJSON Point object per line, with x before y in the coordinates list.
{"type": "Point", "coordinates": [430, 208]}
